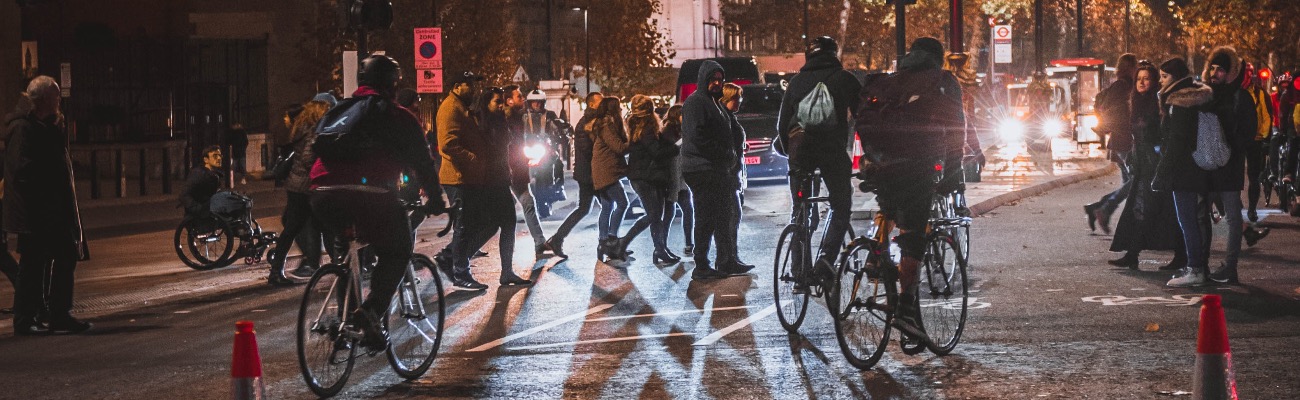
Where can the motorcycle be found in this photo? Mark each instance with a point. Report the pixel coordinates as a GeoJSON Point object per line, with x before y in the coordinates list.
{"type": "Point", "coordinates": [546, 166]}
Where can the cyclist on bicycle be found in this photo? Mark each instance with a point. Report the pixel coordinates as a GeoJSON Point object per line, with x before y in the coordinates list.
{"type": "Point", "coordinates": [354, 181]}
{"type": "Point", "coordinates": [822, 146]}
{"type": "Point", "coordinates": [203, 182]}
{"type": "Point", "coordinates": [909, 122]}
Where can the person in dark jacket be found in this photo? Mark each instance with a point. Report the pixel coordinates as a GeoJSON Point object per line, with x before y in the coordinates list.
{"type": "Point", "coordinates": [1148, 221]}
{"type": "Point", "coordinates": [823, 149]}
{"type": "Point", "coordinates": [461, 144]}
{"type": "Point", "coordinates": [680, 193]}
{"type": "Point", "coordinates": [650, 164]}
{"type": "Point", "coordinates": [1236, 111]}
{"type": "Point", "coordinates": [582, 148]}
{"type": "Point", "coordinates": [1112, 110]}
{"type": "Point", "coordinates": [608, 168]}
{"type": "Point", "coordinates": [40, 206]}
{"type": "Point", "coordinates": [1181, 98]}
{"type": "Point", "coordinates": [299, 224]}
{"type": "Point", "coordinates": [237, 141]}
{"type": "Point", "coordinates": [521, 176]}
{"type": "Point", "coordinates": [710, 157]}
{"type": "Point", "coordinates": [203, 182]}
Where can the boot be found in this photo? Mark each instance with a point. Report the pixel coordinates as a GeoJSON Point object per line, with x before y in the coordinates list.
{"type": "Point", "coordinates": [1253, 236]}
{"type": "Point", "coordinates": [555, 246]}
{"type": "Point", "coordinates": [1090, 211]}
{"type": "Point", "coordinates": [663, 256]}
{"type": "Point", "coordinates": [276, 277]}
{"type": "Point", "coordinates": [1129, 260]}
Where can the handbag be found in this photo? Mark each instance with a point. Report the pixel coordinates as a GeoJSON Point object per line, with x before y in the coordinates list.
{"type": "Point", "coordinates": [283, 165]}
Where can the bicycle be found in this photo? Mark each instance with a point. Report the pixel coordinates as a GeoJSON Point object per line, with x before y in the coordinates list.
{"type": "Point", "coordinates": [793, 275]}
{"type": "Point", "coordinates": [865, 295]}
{"type": "Point", "coordinates": [327, 338]}
{"type": "Point", "coordinates": [207, 241]}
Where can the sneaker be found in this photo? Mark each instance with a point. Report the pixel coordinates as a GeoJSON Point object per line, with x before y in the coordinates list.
{"type": "Point", "coordinates": [304, 271]}
{"type": "Point", "coordinates": [375, 339]}
{"type": "Point", "coordinates": [444, 264]}
{"type": "Point", "coordinates": [736, 268]}
{"type": "Point", "coordinates": [68, 324]}
{"type": "Point", "coordinates": [908, 317]}
{"type": "Point", "coordinates": [1188, 278]}
{"type": "Point", "coordinates": [1225, 274]}
{"type": "Point", "coordinates": [467, 282]}
{"type": "Point", "coordinates": [1253, 236]}
{"type": "Point", "coordinates": [1252, 215]}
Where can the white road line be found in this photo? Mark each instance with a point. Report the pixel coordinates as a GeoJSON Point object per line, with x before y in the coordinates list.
{"type": "Point", "coordinates": [542, 327]}
{"type": "Point", "coordinates": [606, 340]}
{"type": "Point", "coordinates": [715, 336]}
{"type": "Point", "coordinates": [667, 313]}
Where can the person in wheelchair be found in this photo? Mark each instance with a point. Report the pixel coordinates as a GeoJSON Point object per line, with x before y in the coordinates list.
{"type": "Point", "coordinates": [203, 182]}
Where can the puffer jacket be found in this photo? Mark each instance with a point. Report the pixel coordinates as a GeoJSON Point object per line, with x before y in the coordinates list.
{"type": "Point", "coordinates": [1179, 105]}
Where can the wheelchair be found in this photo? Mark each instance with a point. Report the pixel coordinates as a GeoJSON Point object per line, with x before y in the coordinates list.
{"type": "Point", "coordinates": [208, 240]}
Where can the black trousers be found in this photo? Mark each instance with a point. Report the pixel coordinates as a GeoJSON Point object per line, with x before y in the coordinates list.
{"type": "Point", "coordinates": [486, 210]}
{"type": "Point", "coordinates": [45, 275]}
{"type": "Point", "coordinates": [717, 216]}
{"type": "Point", "coordinates": [299, 226]}
{"type": "Point", "coordinates": [381, 221]}
{"type": "Point", "coordinates": [8, 265]}
{"type": "Point", "coordinates": [1256, 154]}
{"type": "Point", "coordinates": [586, 195]}
{"type": "Point", "coordinates": [658, 213]}
{"type": "Point", "coordinates": [840, 192]}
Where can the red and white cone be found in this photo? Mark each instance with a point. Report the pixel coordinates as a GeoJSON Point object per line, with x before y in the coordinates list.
{"type": "Point", "coordinates": [246, 365]}
{"type": "Point", "coordinates": [1214, 379]}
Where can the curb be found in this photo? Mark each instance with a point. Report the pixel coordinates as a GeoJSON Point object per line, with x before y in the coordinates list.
{"type": "Point", "coordinates": [990, 204]}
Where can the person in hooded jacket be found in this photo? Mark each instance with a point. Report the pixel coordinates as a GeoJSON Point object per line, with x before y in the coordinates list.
{"type": "Point", "coordinates": [608, 167]}
{"type": "Point", "coordinates": [1112, 110]}
{"type": "Point", "coordinates": [1236, 111]}
{"type": "Point", "coordinates": [582, 153]}
{"type": "Point", "coordinates": [825, 149]}
{"type": "Point", "coordinates": [1181, 98]}
{"type": "Point", "coordinates": [299, 225]}
{"type": "Point", "coordinates": [710, 161]}
{"type": "Point", "coordinates": [1148, 221]}
{"type": "Point", "coordinates": [650, 163]}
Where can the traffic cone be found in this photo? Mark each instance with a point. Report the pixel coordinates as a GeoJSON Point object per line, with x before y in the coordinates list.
{"type": "Point", "coordinates": [1214, 379]}
{"type": "Point", "coordinates": [246, 365]}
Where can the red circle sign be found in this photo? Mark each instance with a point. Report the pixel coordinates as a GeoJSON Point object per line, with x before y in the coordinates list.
{"type": "Point", "coordinates": [1003, 32]}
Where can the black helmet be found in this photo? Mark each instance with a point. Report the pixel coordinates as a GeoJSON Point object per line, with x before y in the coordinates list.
{"type": "Point", "coordinates": [380, 72]}
{"type": "Point", "coordinates": [823, 44]}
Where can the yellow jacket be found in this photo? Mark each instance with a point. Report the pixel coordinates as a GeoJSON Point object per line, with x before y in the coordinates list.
{"type": "Point", "coordinates": [1263, 113]}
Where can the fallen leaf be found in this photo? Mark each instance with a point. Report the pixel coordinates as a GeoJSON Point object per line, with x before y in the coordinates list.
{"type": "Point", "coordinates": [1153, 327]}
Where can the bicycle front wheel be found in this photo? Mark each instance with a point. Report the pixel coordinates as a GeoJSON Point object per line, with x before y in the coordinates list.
{"type": "Point", "coordinates": [943, 293]}
{"type": "Point", "coordinates": [326, 353]}
{"type": "Point", "coordinates": [415, 319]}
{"type": "Point", "coordinates": [862, 307]}
{"type": "Point", "coordinates": [789, 268]}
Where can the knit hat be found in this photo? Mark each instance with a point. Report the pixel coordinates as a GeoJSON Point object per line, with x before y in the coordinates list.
{"type": "Point", "coordinates": [1223, 60]}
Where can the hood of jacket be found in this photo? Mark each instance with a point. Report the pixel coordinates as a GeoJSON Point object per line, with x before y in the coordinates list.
{"type": "Point", "coordinates": [1188, 94]}
{"type": "Point", "coordinates": [1234, 71]}
{"type": "Point", "coordinates": [821, 61]}
{"type": "Point", "coordinates": [707, 68]}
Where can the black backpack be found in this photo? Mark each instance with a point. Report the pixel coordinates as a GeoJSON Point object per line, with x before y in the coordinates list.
{"type": "Point", "coordinates": [344, 133]}
{"type": "Point", "coordinates": [898, 117]}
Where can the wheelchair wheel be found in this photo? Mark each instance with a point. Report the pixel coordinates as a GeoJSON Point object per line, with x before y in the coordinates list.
{"type": "Point", "coordinates": [204, 243]}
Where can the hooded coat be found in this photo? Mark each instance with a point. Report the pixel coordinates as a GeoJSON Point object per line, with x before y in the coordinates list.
{"type": "Point", "coordinates": [1236, 111]}
{"type": "Point", "coordinates": [1179, 104]}
{"type": "Point", "coordinates": [826, 150]}
{"type": "Point", "coordinates": [1149, 220]}
{"type": "Point", "coordinates": [709, 131]}
{"type": "Point", "coordinates": [608, 149]}
{"type": "Point", "coordinates": [582, 146]}
{"type": "Point", "coordinates": [39, 197]}
{"type": "Point", "coordinates": [651, 156]}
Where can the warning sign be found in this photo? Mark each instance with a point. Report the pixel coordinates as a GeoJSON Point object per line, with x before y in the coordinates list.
{"type": "Point", "coordinates": [428, 48]}
{"type": "Point", "coordinates": [428, 81]}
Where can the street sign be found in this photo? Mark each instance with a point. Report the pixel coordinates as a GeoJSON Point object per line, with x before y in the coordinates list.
{"type": "Point", "coordinates": [1001, 44]}
{"type": "Point", "coordinates": [428, 81]}
{"type": "Point", "coordinates": [428, 48]}
{"type": "Point", "coordinates": [349, 73]}
{"type": "Point", "coordinates": [65, 79]}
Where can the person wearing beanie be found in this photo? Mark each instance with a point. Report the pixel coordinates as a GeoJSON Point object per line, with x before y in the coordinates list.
{"type": "Point", "coordinates": [1112, 108]}
{"type": "Point", "coordinates": [1236, 111]}
{"type": "Point", "coordinates": [1181, 97]}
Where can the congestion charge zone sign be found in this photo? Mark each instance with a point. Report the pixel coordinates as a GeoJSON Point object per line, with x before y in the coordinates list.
{"type": "Point", "coordinates": [428, 48]}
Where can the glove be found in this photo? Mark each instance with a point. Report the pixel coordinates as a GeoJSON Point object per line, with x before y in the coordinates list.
{"type": "Point", "coordinates": [434, 206]}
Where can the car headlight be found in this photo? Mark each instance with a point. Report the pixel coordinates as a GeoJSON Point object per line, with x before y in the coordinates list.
{"type": "Point", "coordinates": [1053, 127]}
{"type": "Point", "coordinates": [1011, 130]}
{"type": "Point", "coordinates": [534, 153]}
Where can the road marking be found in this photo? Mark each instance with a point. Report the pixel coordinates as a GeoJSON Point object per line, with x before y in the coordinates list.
{"type": "Point", "coordinates": [1172, 301]}
{"type": "Point", "coordinates": [715, 336]}
{"type": "Point", "coordinates": [665, 313]}
{"type": "Point", "coordinates": [181, 312]}
{"type": "Point", "coordinates": [541, 327]}
{"type": "Point", "coordinates": [606, 340]}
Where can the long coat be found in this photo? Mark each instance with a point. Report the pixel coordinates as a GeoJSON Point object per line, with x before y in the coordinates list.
{"type": "Point", "coordinates": [609, 147]}
{"type": "Point", "coordinates": [1148, 221]}
{"type": "Point", "coordinates": [39, 194]}
{"type": "Point", "coordinates": [1179, 104]}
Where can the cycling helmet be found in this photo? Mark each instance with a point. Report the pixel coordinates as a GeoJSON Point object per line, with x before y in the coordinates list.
{"type": "Point", "coordinates": [536, 95]}
{"type": "Point", "coordinates": [822, 44]}
{"type": "Point", "coordinates": [380, 72]}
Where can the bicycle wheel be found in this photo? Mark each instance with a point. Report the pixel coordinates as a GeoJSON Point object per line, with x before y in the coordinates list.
{"type": "Point", "coordinates": [203, 243]}
{"type": "Point", "coordinates": [326, 351]}
{"type": "Point", "coordinates": [415, 320]}
{"type": "Point", "coordinates": [791, 263]}
{"type": "Point", "coordinates": [864, 292]}
{"type": "Point", "coordinates": [943, 293]}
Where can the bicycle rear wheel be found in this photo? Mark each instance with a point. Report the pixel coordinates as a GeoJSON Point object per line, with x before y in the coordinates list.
{"type": "Point", "coordinates": [862, 307]}
{"type": "Point", "coordinates": [790, 265]}
{"type": "Point", "coordinates": [943, 293]}
{"type": "Point", "coordinates": [326, 351]}
{"type": "Point", "coordinates": [415, 320]}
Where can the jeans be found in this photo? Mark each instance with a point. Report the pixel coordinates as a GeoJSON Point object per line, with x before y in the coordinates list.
{"type": "Point", "coordinates": [687, 205]}
{"type": "Point", "coordinates": [586, 194]}
{"type": "Point", "coordinates": [380, 219]}
{"type": "Point", "coordinates": [613, 207]}
{"type": "Point", "coordinates": [1232, 216]}
{"type": "Point", "coordinates": [718, 216]}
{"type": "Point", "coordinates": [658, 213]}
{"type": "Point", "coordinates": [1111, 201]}
{"type": "Point", "coordinates": [1194, 221]}
{"type": "Point", "coordinates": [297, 218]}
{"type": "Point", "coordinates": [524, 195]}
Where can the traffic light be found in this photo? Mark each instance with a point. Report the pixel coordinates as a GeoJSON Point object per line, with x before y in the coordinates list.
{"type": "Point", "coordinates": [370, 14]}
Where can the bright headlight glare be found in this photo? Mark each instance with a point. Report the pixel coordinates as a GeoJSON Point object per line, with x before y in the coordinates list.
{"type": "Point", "coordinates": [1011, 130]}
{"type": "Point", "coordinates": [1053, 127]}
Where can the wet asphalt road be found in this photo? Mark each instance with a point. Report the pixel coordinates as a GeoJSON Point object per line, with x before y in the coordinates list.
{"type": "Point", "coordinates": [1050, 320]}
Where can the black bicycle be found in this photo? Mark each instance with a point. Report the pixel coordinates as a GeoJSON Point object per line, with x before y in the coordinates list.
{"type": "Point", "coordinates": [208, 241]}
{"type": "Point", "coordinates": [794, 280]}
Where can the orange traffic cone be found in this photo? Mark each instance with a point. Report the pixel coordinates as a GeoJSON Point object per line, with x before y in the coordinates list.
{"type": "Point", "coordinates": [1214, 379]}
{"type": "Point", "coordinates": [246, 365]}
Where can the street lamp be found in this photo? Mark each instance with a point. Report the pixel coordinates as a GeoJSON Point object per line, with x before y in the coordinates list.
{"type": "Point", "coordinates": [586, 38]}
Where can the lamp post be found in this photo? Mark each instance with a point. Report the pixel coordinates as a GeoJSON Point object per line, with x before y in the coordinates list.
{"type": "Point", "coordinates": [586, 38]}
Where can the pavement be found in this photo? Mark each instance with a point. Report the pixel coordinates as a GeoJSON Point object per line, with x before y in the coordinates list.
{"type": "Point", "coordinates": [133, 264]}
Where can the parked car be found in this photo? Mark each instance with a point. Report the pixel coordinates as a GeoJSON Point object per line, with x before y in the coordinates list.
{"type": "Point", "coordinates": [759, 106]}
